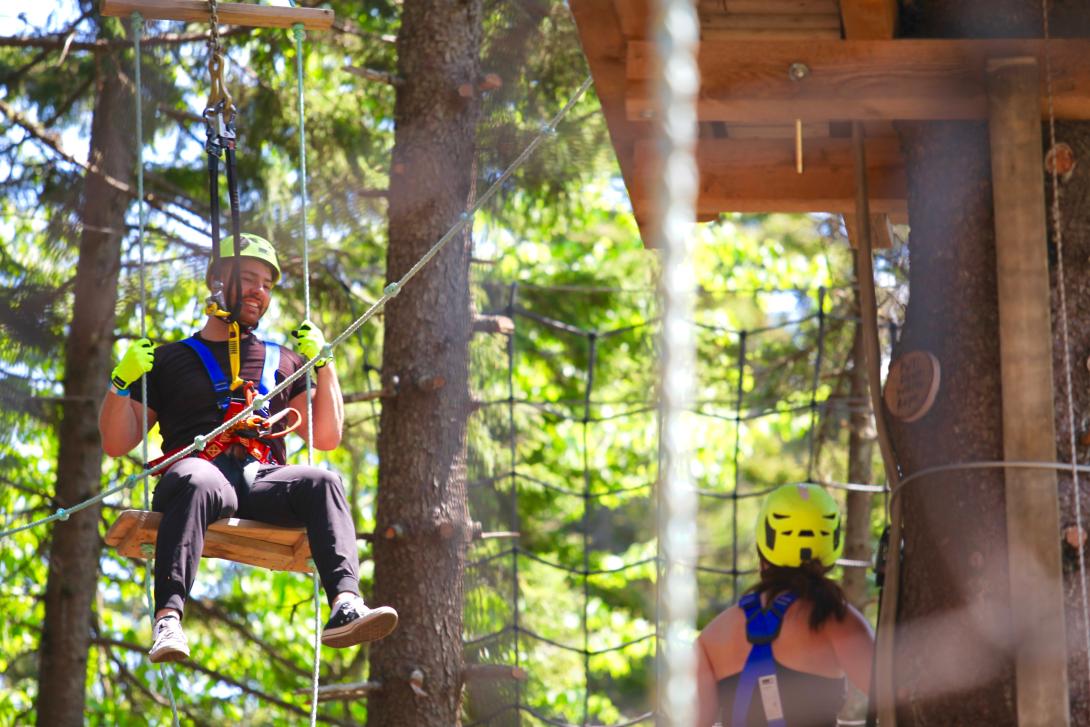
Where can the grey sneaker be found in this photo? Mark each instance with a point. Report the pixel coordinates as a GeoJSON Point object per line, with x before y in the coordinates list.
{"type": "Point", "coordinates": [354, 623]}
{"type": "Point", "coordinates": [170, 642]}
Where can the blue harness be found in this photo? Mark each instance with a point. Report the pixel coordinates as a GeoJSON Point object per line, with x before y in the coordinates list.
{"type": "Point", "coordinates": [220, 384]}
{"type": "Point", "coordinates": [759, 673]}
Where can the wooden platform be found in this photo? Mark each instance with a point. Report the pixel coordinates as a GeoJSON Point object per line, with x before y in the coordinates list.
{"type": "Point", "coordinates": [851, 68]}
{"type": "Point", "coordinates": [243, 541]}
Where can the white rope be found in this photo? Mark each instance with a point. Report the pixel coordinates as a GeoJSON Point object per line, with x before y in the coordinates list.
{"type": "Point", "coordinates": [678, 82]}
{"type": "Point", "coordinates": [137, 32]}
{"type": "Point", "coordinates": [1057, 231]}
{"type": "Point", "coordinates": [299, 34]}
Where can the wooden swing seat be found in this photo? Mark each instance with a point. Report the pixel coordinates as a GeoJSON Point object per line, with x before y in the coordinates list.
{"type": "Point", "coordinates": [134, 534]}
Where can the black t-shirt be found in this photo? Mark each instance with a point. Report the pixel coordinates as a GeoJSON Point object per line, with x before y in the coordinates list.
{"type": "Point", "coordinates": [180, 390]}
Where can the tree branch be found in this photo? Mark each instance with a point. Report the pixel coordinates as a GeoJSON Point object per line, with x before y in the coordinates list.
{"type": "Point", "coordinates": [133, 681]}
{"type": "Point", "coordinates": [53, 142]}
{"type": "Point", "coordinates": [208, 608]}
{"type": "Point", "coordinates": [252, 691]}
{"type": "Point", "coordinates": [372, 74]}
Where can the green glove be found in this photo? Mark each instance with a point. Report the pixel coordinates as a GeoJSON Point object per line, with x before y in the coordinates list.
{"type": "Point", "coordinates": [310, 342]}
{"type": "Point", "coordinates": [136, 362]}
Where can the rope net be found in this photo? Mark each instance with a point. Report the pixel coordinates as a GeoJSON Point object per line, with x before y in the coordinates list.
{"type": "Point", "coordinates": [573, 601]}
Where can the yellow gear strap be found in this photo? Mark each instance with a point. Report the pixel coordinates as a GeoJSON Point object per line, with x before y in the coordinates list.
{"type": "Point", "coordinates": [234, 337]}
{"type": "Point", "coordinates": [234, 340]}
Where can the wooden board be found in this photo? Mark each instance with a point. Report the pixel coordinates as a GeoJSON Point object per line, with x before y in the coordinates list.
{"type": "Point", "coordinates": [869, 19]}
{"type": "Point", "coordinates": [881, 232]}
{"type": "Point", "coordinates": [242, 541]}
{"type": "Point", "coordinates": [758, 175]}
{"type": "Point", "coordinates": [747, 80]}
{"type": "Point", "coordinates": [244, 14]}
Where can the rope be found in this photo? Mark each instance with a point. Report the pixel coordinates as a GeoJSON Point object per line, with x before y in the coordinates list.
{"type": "Point", "coordinates": [137, 34]}
{"type": "Point", "coordinates": [677, 84]}
{"type": "Point", "coordinates": [1056, 219]}
{"type": "Point", "coordinates": [299, 34]}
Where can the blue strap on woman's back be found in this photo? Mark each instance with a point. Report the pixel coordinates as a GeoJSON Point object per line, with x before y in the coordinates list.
{"type": "Point", "coordinates": [220, 385]}
{"type": "Point", "coordinates": [762, 628]}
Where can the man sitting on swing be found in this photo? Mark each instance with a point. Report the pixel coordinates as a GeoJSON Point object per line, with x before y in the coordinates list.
{"type": "Point", "coordinates": [243, 472]}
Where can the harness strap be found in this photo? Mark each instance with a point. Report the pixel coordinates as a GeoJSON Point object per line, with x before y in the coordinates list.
{"type": "Point", "coordinates": [220, 385]}
{"type": "Point", "coordinates": [219, 382]}
{"type": "Point", "coordinates": [759, 673]}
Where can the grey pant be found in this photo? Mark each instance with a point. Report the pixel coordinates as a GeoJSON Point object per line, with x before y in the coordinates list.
{"type": "Point", "coordinates": [195, 493]}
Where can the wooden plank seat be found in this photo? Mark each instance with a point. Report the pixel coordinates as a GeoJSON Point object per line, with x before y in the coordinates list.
{"type": "Point", "coordinates": [134, 534]}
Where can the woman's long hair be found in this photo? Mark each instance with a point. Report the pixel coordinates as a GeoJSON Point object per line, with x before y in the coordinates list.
{"type": "Point", "coordinates": [809, 583]}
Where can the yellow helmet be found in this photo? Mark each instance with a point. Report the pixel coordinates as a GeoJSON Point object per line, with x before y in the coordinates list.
{"type": "Point", "coordinates": [252, 246]}
{"type": "Point", "coordinates": [799, 523]}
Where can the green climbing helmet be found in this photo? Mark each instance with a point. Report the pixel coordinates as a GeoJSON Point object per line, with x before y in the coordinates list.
{"type": "Point", "coordinates": [251, 246]}
{"type": "Point", "coordinates": [799, 523]}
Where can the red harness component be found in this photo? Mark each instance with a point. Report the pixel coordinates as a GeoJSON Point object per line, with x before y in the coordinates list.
{"type": "Point", "coordinates": [251, 432]}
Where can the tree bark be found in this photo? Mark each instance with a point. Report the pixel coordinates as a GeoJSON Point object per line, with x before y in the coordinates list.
{"type": "Point", "coordinates": [954, 664]}
{"type": "Point", "coordinates": [951, 665]}
{"type": "Point", "coordinates": [422, 443]}
{"type": "Point", "coordinates": [75, 549]}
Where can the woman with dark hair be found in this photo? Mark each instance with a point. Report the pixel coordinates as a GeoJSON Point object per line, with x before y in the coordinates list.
{"type": "Point", "coordinates": [780, 656]}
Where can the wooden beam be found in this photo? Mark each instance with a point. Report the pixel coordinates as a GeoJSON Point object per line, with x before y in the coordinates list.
{"type": "Point", "coordinates": [253, 16]}
{"type": "Point", "coordinates": [764, 21]}
{"type": "Point", "coordinates": [720, 34]}
{"type": "Point", "coordinates": [758, 175]}
{"type": "Point", "coordinates": [604, 45]}
{"type": "Point", "coordinates": [771, 7]}
{"type": "Point", "coordinates": [881, 232]}
{"type": "Point", "coordinates": [1025, 355]}
{"type": "Point", "coordinates": [747, 81]}
{"type": "Point", "coordinates": [634, 17]}
{"type": "Point", "coordinates": [869, 19]}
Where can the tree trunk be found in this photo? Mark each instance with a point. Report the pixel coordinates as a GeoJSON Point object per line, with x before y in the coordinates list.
{"type": "Point", "coordinates": [422, 443]}
{"type": "Point", "coordinates": [74, 552]}
{"type": "Point", "coordinates": [857, 535]}
{"type": "Point", "coordinates": [953, 664]}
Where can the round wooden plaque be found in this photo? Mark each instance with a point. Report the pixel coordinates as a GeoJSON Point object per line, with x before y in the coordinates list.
{"type": "Point", "coordinates": [912, 384]}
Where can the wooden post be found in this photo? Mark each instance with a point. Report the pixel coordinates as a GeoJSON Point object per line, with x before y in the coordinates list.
{"type": "Point", "coordinates": [1025, 349]}
{"type": "Point", "coordinates": [883, 692]}
{"type": "Point", "coordinates": [250, 15]}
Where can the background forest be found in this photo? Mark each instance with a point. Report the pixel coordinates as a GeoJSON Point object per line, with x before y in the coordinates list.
{"type": "Point", "coordinates": [562, 443]}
